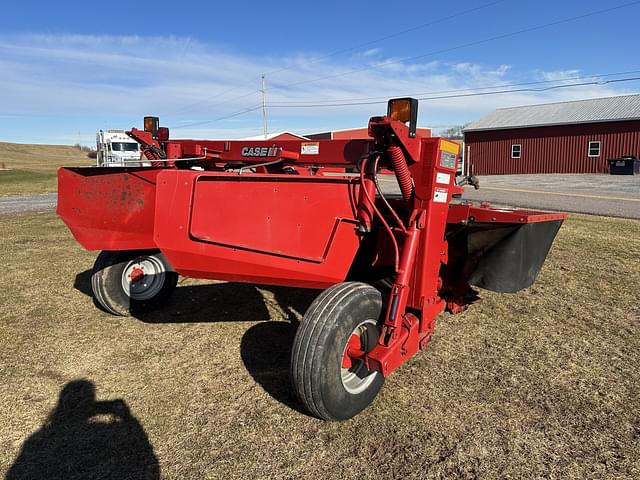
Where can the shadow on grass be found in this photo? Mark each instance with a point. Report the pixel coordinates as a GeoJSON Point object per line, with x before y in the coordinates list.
{"type": "Point", "coordinates": [82, 283]}
{"type": "Point", "coordinates": [266, 353]}
{"type": "Point", "coordinates": [219, 302]}
{"type": "Point", "coordinates": [86, 438]}
{"type": "Point", "coordinates": [265, 347]}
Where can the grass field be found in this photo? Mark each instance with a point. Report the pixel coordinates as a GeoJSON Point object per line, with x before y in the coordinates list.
{"type": "Point", "coordinates": [32, 168]}
{"type": "Point", "coordinates": [540, 384]}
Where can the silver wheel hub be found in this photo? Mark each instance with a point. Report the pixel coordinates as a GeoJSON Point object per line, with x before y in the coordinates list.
{"type": "Point", "coordinates": [143, 278]}
{"type": "Point", "coordinates": [357, 378]}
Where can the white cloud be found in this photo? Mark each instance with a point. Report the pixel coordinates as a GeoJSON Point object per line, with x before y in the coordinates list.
{"type": "Point", "coordinates": [94, 80]}
{"type": "Point", "coordinates": [559, 75]}
{"type": "Point", "coordinates": [371, 52]}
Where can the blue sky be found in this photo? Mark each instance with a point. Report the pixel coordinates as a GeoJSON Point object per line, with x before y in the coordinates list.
{"type": "Point", "coordinates": [70, 68]}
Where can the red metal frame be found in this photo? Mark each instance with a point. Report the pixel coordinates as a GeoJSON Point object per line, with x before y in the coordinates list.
{"type": "Point", "coordinates": [285, 222]}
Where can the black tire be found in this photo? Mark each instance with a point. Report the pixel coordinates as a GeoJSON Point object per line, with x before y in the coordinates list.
{"type": "Point", "coordinates": [109, 272]}
{"type": "Point", "coordinates": [321, 383]}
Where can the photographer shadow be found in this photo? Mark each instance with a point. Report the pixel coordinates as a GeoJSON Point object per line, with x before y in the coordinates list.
{"type": "Point", "coordinates": [85, 438]}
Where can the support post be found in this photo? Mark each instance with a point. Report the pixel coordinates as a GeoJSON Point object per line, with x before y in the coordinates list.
{"type": "Point", "coordinates": [264, 106]}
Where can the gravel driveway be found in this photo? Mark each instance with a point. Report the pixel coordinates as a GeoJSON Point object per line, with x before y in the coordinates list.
{"type": "Point", "coordinates": [27, 203]}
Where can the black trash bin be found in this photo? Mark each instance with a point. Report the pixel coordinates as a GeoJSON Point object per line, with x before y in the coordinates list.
{"type": "Point", "coordinates": [628, 165]}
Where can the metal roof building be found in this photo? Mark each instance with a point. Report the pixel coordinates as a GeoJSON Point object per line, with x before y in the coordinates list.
{"type": "Point", "coordinates": [564, 137]}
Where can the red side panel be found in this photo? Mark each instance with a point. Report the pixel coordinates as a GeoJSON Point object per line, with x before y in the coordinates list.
{"type": "Point", "coordinates": [283, 217]}
{"type": "Point", "coordinates": [108, 208]}
{"type": "Point", "coordinates": [276, 229]}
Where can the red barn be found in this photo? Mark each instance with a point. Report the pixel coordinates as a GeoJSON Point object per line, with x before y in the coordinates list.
{"type": "Point", "coordinates": [564, 137]}
{"type": "Point", "coordinates": [277, 136]}
{"type": "Point", "coordinates": [357, 133]}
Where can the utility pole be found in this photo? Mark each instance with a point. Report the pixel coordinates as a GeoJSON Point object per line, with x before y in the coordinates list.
{"type": "Point", "coordinates": [264, 106]}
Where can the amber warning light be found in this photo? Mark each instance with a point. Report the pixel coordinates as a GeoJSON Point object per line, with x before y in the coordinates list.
{"type": "Point", "coordinates": [151, 125]}
{"type": "Point", "coordinates": [404, 110]}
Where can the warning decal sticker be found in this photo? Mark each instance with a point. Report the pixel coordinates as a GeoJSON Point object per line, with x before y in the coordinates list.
{"type": "Point", "coordinates": [310, 148]}
{"type": "Point", "coordinates": [447, 160]}
{"type": "Point", "coordinates": [443, 178]}
{"type": "Point", "coordinates": [440, 195]}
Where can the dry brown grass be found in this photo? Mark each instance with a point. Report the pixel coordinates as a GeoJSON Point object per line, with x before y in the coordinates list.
{"type": "Point", "coordinates": [541, 384]}
{"type": "Point", "coordinates": [31, 168]}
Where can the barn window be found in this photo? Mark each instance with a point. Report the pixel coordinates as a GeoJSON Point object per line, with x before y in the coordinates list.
{"type": "Point", "coordinates": [594, 149]}
{"type": "Point", "coordinates": [515, 150]}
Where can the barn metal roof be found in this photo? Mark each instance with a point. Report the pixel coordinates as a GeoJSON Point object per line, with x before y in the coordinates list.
{"type": "Point", "coordinates": [609, 109]}
{"type": "Point", "coordinates": [273, 135]}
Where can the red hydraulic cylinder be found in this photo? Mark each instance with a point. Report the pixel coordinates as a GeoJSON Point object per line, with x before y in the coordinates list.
{"type": "Point", "coordinates": [400, 339]}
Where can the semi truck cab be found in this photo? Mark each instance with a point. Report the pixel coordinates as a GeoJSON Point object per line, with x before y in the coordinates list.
{"type": "Point", "coordinates": [116, 149]}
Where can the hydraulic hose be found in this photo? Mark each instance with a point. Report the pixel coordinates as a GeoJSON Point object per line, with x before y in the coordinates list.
{"type": "Point", "coordinates": [371, 201]}
{"type": "Point", "coordinates": [401, 170]}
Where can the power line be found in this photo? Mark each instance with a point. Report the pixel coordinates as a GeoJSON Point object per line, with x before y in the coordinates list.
{"type": "Point", "coordinates": [191, 106]}
{"type": "Point", "coordinates": [387, 63]}
{"type": "Point", "coordinates": [441, 97]}
{"type": "Point", "coordinates": [466, 45]}
{"type": "Point", "coordinates": [231, 115]}
{"type": "Point", "coordinates": [362, 99]}
{"type": "Point", "coordinates": [478, 94]}
{"type": "Point", "coordinates": [417, 57]}
{"type": "Point", "coordinates": [396, 34]}
{"type": "Point", "coordinates": [332, 54]}
{"type": "Point", "coordinates": [497, 37]}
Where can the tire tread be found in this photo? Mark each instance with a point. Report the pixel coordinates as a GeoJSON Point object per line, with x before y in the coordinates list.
{"type": "Point", "coordinates": [315, 328]}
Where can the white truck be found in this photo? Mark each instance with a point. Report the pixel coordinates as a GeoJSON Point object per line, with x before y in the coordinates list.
{"type": "Point", "coordinates": [116, 149]}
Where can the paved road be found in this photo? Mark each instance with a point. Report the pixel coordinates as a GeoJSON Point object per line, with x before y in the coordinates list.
{"type": "Point", "coordinates": [609, 195]}
{"type": "Point", "coordinates": [27, 203]}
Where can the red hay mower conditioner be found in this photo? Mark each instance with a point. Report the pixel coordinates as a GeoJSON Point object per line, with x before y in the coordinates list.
{"type": "Point", "coordinates": [266, 212]}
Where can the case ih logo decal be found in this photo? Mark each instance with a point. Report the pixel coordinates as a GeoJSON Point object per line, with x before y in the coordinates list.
{"type": "Point", "coordinates": [260, 151]}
